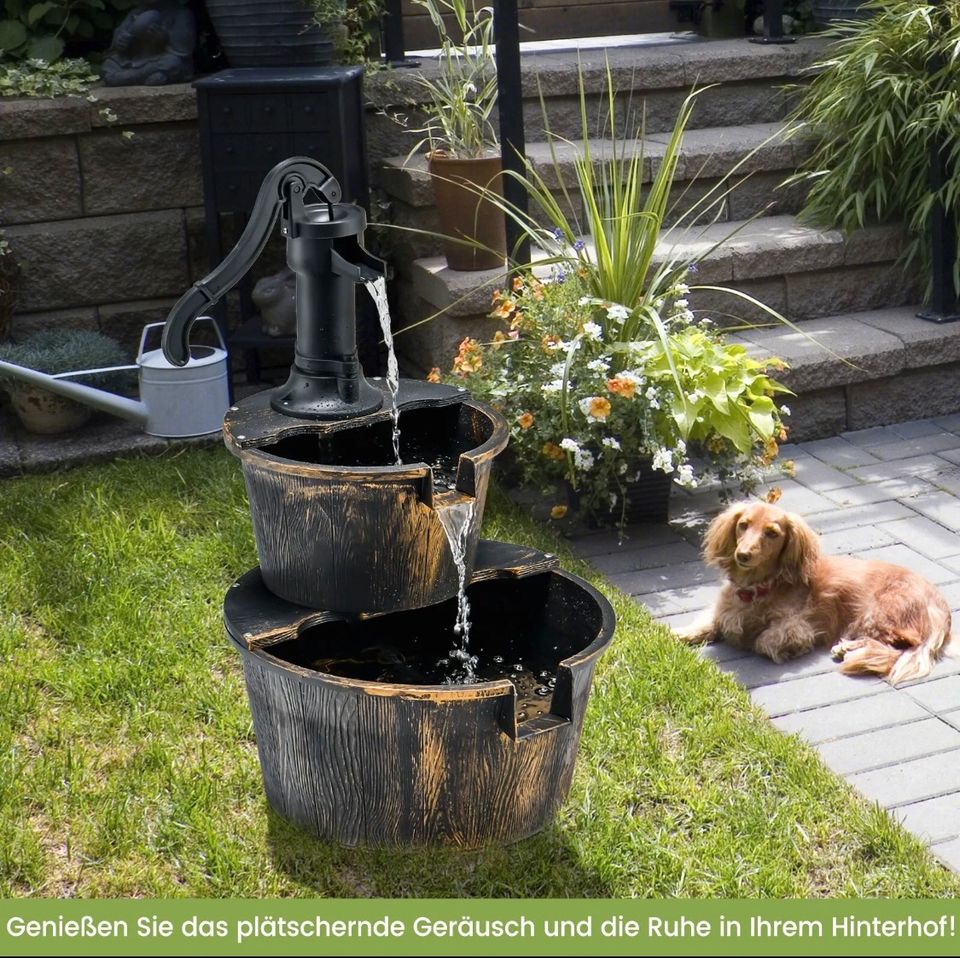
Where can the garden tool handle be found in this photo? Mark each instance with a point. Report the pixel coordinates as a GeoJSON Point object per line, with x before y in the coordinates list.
{"type": "Point", "coordinates": [283, 188]}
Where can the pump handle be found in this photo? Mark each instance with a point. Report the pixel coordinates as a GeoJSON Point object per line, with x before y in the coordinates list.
{"type": "Point", "coordinates": [284, 188]}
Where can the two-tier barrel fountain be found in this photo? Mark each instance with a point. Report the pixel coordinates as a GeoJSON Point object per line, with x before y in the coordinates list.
{"type": "Point", "coordinates": [409, 683]}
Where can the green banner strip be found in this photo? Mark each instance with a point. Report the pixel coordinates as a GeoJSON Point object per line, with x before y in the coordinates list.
{"type": "Point", "coordinates": [477, 927]}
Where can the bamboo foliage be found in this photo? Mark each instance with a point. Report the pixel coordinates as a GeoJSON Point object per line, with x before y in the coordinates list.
{"type": "Point", "coordinates": [887, 89]}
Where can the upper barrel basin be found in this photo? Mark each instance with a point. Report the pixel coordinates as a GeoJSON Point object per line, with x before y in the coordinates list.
{"type": "Point", "coordinates": [339, 525]}
{"type": "Point", "coordinates": [368, 732]}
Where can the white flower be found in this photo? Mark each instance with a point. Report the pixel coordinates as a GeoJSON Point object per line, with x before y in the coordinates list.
{"type": "Point", "coordinates": [618, 313]}
{"type": "Point", "coordinates": [592, 330]}
{"type": "Point", "coordinates": [613, 499]}
{"type": "Point", "coordinates": [611, 443]}
{"type": "Point", "coordinates": [586, 301]}
{"type": "Point", "coordinates": [681, 289]}
{"type": "Point", "coordinates": [598, 366]}
{"type": "Point", "coordinates": [680, 303]}
{"type": "Point", "coordinates": [582, 458]}
{"type": "Point", "coordinates": [784, 410]}
{"type": "Point", "coordinates": [685, 477]}
{"type": "Point", "coordinates": [558, 369]}
{"type": "Point", "coordinates": [622, 468]}
{"type": "Point", "coordinates": [552, 387]}
{"type": "Point", "coordinates": [663, 460]}
{"type": "Point", "coordinates": [652, 398]}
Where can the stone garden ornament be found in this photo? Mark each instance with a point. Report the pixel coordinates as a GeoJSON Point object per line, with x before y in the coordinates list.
{"type": "Point", "coordinates": [153, 46]}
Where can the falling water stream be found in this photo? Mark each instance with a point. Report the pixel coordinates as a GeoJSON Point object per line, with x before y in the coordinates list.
{"type": "Point", "coordinates": [456, 520]}
{"type": "Point", "coordinates": [378, 290]}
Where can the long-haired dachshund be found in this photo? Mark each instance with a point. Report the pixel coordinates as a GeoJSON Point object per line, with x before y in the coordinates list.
{"type": "Point", "coordinates": [781, 598]}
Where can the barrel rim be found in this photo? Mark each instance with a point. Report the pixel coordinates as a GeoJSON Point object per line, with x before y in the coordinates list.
{"type": "Point", "coordinates": [487, 450]}
{"type": "Point", "coordinates": [490, 689]}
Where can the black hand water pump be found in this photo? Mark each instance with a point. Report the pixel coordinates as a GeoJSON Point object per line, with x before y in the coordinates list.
{"type": "Point", "coordinates": [325, 250]}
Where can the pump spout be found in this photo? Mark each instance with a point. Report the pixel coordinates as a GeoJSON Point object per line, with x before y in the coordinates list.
{"type": "Point", "coordinates": [97, 398]}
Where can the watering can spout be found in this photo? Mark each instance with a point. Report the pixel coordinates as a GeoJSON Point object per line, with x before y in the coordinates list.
{"type": "Point", "coordinates": [97, 398]}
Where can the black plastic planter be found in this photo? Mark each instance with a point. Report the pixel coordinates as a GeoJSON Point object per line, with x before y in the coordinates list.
{"type": "Point", "coordinates": [269, 33]}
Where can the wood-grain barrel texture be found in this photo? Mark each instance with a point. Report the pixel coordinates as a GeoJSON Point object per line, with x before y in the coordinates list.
{"type": "Point", "coordinates": [365, 762]}
{"type": "Point", "coordinates": [362, 538]}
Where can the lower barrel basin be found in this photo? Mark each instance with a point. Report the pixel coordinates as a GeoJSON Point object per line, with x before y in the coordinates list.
{"type": "Point", "coordinates": [340, 525]}
{"type": "Point", "coordinates": [362, 741]}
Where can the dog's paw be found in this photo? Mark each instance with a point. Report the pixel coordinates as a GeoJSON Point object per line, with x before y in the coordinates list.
{"type": "Point", "coordinates": [697, 634]}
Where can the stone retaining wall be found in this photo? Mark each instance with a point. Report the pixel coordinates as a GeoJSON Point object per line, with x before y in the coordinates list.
{"type": "Point", "coordinates": [104, 215]}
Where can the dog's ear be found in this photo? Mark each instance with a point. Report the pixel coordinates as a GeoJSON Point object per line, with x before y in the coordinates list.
{"type": "Point", "coordinates": [800, 552]}
{"type": "Point", "coordinates": [720, 540]}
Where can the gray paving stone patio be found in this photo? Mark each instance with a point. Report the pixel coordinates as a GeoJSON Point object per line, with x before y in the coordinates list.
{"type": "Point", "coordinates": [888, 493]}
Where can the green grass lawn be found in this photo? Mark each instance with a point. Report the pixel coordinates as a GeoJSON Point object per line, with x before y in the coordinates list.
{"type": "Point", "coordinates": [128, 766]}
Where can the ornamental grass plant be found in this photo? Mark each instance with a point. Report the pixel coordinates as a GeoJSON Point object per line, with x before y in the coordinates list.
{"type": "Point", "coordinates": [601, 365]}
{"type": "Point", "coordinates": [886, 91]}
{"type": "Point", "coordinates": [461, 95]}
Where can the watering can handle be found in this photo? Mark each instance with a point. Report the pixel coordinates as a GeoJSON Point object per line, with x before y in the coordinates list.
{"type": "Point", "coordinates": [283, 188]}
{"type": "Point", "coordinates": [199, 319]}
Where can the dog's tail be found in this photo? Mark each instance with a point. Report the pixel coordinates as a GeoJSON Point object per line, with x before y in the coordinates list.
{"type": "Point", "coordinates": [901, 664]}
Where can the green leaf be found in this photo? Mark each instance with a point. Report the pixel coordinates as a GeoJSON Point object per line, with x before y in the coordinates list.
{"type": "Point", "coordinates": [39, 10]}
{"type": "Point", "coordinates": [45, 48]}
{"type": "Point", "coordinates": [12, 34]}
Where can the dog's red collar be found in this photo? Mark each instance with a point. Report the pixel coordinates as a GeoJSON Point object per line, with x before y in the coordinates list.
{"type": "Point", "coordinates": [754, 592]}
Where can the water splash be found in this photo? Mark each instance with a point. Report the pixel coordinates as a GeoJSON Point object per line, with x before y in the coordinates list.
{"type": "Point", "coordinates": [378, 290]}
{"type": "Point", "coordinates": [456, 520]}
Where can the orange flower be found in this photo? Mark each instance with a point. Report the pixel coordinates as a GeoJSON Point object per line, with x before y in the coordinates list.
{"type": "Point", "coordinates": [434, 375]}
{"type": "Point", "coordinates": [558, 512]}
{"type": "Point", "coordinates": [525, 420]}
{"type": "Point", "coordinates": [789, 467]}
{"type": "Point", "coordinates": [536, 287]}
{"type": "Point", "coordinates": [784, 433]}
{"type": "Point", "coordinates": [622, 387]}
{"type": "Point", "coordinates": [469, 357]}
{"type": "Point", "coordinates": [550, 342]}
{"type": "Point", "coordinates": [598, 407]}
{"type": "Point", "coordinates": [517, 284]}
{"type": "Point", "coordinates": [552, 451]}
{"type": "Point", "coordinates": [505, 310]}
{"type": "Point", "coordinates": [770, 450]}
{"type": "Point", "coordinates": [499, 338]}
{"type": "Point", "coordinates": [774, 495]}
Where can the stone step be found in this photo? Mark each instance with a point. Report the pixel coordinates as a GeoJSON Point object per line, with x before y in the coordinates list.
{"type": "Point", "coordinates": [800, 270]}
{"type": "Point", "coordinates": [862, 369]}
{"type": "Point", "coordinates": [758, 157]}
{"type": "Point", "coordinates": [746, 85]}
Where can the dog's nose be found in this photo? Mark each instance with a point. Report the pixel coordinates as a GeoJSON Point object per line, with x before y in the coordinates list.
{"type": "Point", "coordinates": [743, 557]}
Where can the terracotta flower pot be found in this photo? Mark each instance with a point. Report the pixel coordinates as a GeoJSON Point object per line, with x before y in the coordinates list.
{"type": "Point", "coordinates": [45, 412]}
{"type": "Point", "coordinates": [464, 213]}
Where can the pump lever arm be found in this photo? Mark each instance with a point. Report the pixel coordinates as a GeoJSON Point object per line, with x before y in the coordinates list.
{"type": "Point", "coordinates": [275, 195]}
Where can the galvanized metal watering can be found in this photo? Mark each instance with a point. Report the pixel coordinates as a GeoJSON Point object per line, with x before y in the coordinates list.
{"type": "Point", "coordinates": [175, 401]}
